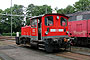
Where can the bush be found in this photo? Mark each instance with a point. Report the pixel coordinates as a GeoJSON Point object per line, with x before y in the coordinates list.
{"type": "Point", "coordinates": [9, 34]}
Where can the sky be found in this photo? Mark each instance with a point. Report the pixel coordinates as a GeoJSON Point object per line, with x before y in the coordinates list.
{"type": "Point", "coordinates": [53, 3]}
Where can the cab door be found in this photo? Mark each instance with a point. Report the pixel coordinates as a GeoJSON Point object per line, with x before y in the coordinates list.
{"type": "Point", "coordinates": [34, 29]}
{"type": "Point", "coordinates": [39, 29]}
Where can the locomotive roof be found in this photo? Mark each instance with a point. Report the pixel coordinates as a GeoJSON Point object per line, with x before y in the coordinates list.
{"type": "Point", "coordinates": [48, 14]}
{"type": "Point", "coordinates": [79, 13]}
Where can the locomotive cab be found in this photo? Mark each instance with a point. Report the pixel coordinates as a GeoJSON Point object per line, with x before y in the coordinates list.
{"type": "Point", "coordinates": [47, 32]}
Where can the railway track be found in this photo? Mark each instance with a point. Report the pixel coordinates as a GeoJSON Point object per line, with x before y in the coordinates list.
{"type": "Point", "coordinates": [7, 38]}
{"type": "Point", "coordinates": [82, 49]}
{"type": "Point", "coordinates": [74, 55]}
{"type": "Point", "coordinates": [77, 53]}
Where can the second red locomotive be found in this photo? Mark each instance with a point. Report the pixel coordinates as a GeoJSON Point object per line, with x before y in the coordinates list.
{"type": "Point", "coordinates": [47, 32]}
{"type": "Point", "coordinates": [79, 28]}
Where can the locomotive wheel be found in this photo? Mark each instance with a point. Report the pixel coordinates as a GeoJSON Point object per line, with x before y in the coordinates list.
{"type": "Point", "coordinates": [48, 45]}
{"type": "Point", "coordinates": [67, 46]}
{"type": "Point", "coordinates": [48, 48]}
{"type": "Point", "coordinates": [45, 46]}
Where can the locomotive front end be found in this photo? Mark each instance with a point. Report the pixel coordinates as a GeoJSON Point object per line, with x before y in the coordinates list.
{"type": "Point", "coordinates": [55, 31]}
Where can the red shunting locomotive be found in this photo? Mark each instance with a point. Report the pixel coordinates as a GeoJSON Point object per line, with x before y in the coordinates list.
{"type": "Point", "coordinates": [47, 32]}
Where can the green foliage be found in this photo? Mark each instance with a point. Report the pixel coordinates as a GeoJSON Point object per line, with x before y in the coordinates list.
{"type": "Point", "coordinates": [61, 11]}
{"type": "Point", "coordinates": [68, 10]}
{"type": "Point", "coordinates": [82, 5]}
{"type": "Point", "coordinates": [1, 10]}
{"type": "Point", "coordinates": [5, 21]}
{"type": "Point", "coordinates": [8, 34]}
{"type": "Point", "coordinates": [28, 21]}
{"type": "Point", "coordinates": [33, 10]}
{"type": "Point", "coordinates": [18, 9]}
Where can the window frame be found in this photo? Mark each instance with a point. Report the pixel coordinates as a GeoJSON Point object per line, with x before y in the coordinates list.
{"type": "Point", "coordinates": [33, 20]}
{"type": "Point", "coordinates": [65, 22]}
{"type": "Point", "coordinates": [46, 24]}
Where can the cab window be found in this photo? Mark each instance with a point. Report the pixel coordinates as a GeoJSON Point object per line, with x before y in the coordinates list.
{"type": "Point", "coordinates": [34, 23]}
{"type": "Point", "coordinates": [63, 21]}
{"type": "Point", "coordinates": [49, 20]}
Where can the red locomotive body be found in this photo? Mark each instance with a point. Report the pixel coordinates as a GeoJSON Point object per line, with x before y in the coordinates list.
{"type": "Point", "coordinates": [79, 27]}
{"type": "Point", "coordinates": [25, 31]}
{"type": "Point", "coordinates": [47, 32]}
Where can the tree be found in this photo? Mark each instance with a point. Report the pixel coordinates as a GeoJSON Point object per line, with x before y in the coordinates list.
{"type": "Point", "coordinates": [82, 5]}
{"type": "Point", "coordinates": [68, 10]}
{"type": "Point", "coordinates": [1, 10]}
{"type": "Point", "coordinates": [61, 11]}
{"type": "Point", "coordinates": [1, 21]}
{"type": "Point", "coordinates": [16, 20]}
{"type": "Point", "coordinates": [33, 10]}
